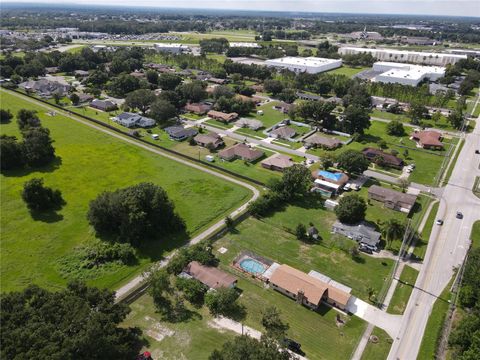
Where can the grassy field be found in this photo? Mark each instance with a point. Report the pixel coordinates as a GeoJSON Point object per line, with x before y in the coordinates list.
{"type": "Point", "coordinates": [403, 290]}
{"type": "Point", "coordinates": [88, 163]}
{"type": "Point", "coordinates": [475, 234]}
{"type": "Point", "coordinates": [452, 165]}
{"type": "Point", "coordinates": [442, 124]}
{"type": "Point", "coordinates": [193, 339]}
{"type": "Point", "coordinates": [347, 70]}
{"type": "Point", "coordinates": [379, 350]}
{"type": "Point", "coordinates": [270, 116]}
{"type": "Point", "coordinates": [273, 238]}
{"type": "Point", "coordinates": [434, 326]}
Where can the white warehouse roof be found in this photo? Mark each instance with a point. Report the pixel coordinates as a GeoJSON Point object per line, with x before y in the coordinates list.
{"type": "Point", "coordinates": [245, 44]}
{"type": "Point", "coordinates": [301, 64]}
{"type": "Point", "coordinates": [406, 74]}
{"type": "Point", "coordinates": [405, 56]}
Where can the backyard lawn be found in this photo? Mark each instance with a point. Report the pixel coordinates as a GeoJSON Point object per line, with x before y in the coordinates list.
{"type": "Point", "coordinates": [88, 163]}
{"type": "Point", "coordinates": [442, 124]}
{"type": "Point", "coordinates": [273, 237]}
{"type": "Point", "coordinates": [404, 288]}
{"type": "Point", "coordinates": [347, 70]}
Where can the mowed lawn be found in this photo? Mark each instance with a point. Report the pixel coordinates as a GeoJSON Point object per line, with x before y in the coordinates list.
{"type": "Point", "coordinates": [90, 162]}
{"type": "Point", "coordinates": [380, 349]}
{"type": "Point", "coordinates": [273, 237]}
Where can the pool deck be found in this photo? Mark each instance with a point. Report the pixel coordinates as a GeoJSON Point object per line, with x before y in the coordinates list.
{"type": "Point", "coordinates": [268, 273]}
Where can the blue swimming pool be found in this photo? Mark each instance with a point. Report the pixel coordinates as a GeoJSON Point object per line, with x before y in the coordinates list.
{"type": "Point", "coordinates": [252, 266]}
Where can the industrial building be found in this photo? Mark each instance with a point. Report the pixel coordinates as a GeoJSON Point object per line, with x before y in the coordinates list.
{"type": "Point", "coordinates": [406, 74]}
{"type": "Point", "coordinates": [414, 57]}
{"type": "Point", "coordinates": [245, 45]}
{"type": "Point", "coordinates": [311, 65]}
{"type": "Point", "coordinates": [171, 48]}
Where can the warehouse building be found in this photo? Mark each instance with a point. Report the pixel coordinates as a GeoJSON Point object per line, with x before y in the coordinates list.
{"type": "Point", "coordinates": [171, 48]}
{"type": "Point", "coordinates": [244, 45]}
{"type": "Point", "coordinates": [311, 65]}
{"type": "Point", "coordinates": [414, 57]}
{"type": "Point", "coordinates": [406, 74]}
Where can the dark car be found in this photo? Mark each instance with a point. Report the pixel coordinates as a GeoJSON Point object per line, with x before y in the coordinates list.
{"type": "Point", "coordinates": [365, 249]}
{"type": "Point", "coordinates": [293, 346]}
{"type": "Point", "coordinates": [459, 215]}
{"type": "Point", "coordinates": [477, 151]}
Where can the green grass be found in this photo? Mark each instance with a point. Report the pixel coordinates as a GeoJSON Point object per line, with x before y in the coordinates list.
{"type": "Point", "coordinates": [270, 116]}
{"type": "Point", "coordinates": [475, 234]}
{"type": "Point", "coordinates": [273, 238]}
{"type": "Point", "coordinates": [91, 162]}
{"type": "Point", "coordinates": [452, 165]}
{"type": "Point", "coordinates": [252, 133]}
{"type": "Point", "coordinates": [347, 70]}
{"type": "Point", "coordinates": [422, 242]}
{"type": "Point", "coordinates": [193, 339]}
{"type": "Point", "coordinates": [434, 326]}
{"type": "Point", "coordinates": [402, 293]}
{"type": "Point", "coordinates": [442, 124]}
{"type": "Point", "coordinates": [379, 350]}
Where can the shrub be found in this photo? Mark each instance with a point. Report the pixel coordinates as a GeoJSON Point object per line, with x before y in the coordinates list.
{"type": "Point", "coordinates": [39, 197]}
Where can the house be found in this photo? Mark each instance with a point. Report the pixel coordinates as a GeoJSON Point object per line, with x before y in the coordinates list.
{"type": "Point", "coordinates": [373, 155]}
{"type": "Point", "coordinates": [45, 87]}
{"type": "Point", "coordinates": [255, 99]}
{"type": "Point", "coordinates": [392, 199]}
{"type": "Point", "coordinates": [138, 74]}
{"type": "Point", "coordinates": [310, 97]}
{"type": "Point", "coordinates": [211, 140]}
{"type": "Point", "coordinates": [180, 133]}
{"type": "Point", "coordinates": [80, 73]}
{"type": "Point", "coordinates": [52, 69]}
{"type": "Point", "coordinates": [329, 183]}
{"type": "Point", "coordinates": [240, 151]}
{"type": "Point", "coordinates": [277, 162]}
{"type": "Point", "coordinates": [198, 108]}
{"type": "Point", "coordinates": [324, 142]}
{"type": "Point", "coordinates": [84, 98]}
{"type": "Point", "coordinates": [306, 289]}
{"type": "Point", "coordinates": [221, 116]}
{"type": "Point", "coordinates": [133, 120]}
{"type": "Point", "coordinates": [363, 233]}
{"type": "Point", "coordinates": [428, 139]}
{"type": "Point", "coordinates": [257, 87]}
{"type": "Point", "coordinates": [103, 105]}
{"type": "Point", "coordinates": [283, 132]}
{"type": "Point", "coordinates": [284, 107]}
{"type": "Point", "coordinates": [210, 276]}
{"type": "Point", "coordinates": [217, 81]}
{"type": "Point", "coordinates": [250, 123]}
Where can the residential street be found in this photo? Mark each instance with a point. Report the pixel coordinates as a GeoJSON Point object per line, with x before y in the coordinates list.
{"type": "Point", "coordinates": [447, 248]}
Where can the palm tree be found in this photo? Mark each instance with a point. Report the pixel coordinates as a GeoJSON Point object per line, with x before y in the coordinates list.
{"type": "Point", "coordinates": [392, 229]}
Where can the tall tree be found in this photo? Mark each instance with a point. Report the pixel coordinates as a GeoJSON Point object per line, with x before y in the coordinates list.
{"type": "Point", "coordinates": [39, 197]}
{"type": "Point", "coordinates": [273, 324]}
{"type": "Point", "coordinates": [392, 229]}
{"type": "Point", "coordinates": [356, 119]}
{"type": "Point", "coordinates": [351, 209]}
{"type": "Point", "coordinates": [353, 161]}
{"type": "Point", "coordinates": [140, 99]}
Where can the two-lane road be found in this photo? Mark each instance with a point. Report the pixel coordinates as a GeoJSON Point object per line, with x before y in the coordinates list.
{"type": "Point", "coordinates": [447, 247]}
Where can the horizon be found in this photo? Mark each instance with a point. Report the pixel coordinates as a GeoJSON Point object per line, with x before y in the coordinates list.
{"type": "Point", "coordinates": [445, 8]}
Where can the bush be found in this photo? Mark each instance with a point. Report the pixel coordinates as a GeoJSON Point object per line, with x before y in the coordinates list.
{"type": "Point", "coordinates": [395, 128]}
{"type": "Point", "coordinates": [39, 197]}
{"type": "Point", "coordinates": [193, 290]}
{"type": "Point", "coordinates": [5, 116]}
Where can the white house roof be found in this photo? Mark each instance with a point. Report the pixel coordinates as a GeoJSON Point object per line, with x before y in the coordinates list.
{"type": "Point", "coordinates": [301, 61]}
{"type": "Point", "coordinates": [326, 183]}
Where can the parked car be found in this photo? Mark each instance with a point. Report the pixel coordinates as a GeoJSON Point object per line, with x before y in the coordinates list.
{"type": "Point", "coordinates": [459, 215]}
{"type": "Point", "coordinates": [293, 346]}
{"type": "Point", "coordinates": [477, 151]}
{"type": "Point", "coordinates": [365, 249]}
{"type": "Point", "coordinates": [439, 222]}
{"type": "Point", "coordinates": [346, 187]}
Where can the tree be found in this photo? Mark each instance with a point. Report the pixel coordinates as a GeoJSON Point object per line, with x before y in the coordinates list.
{"type": "Point", "coordinates": [160, 289]}
{"type": "Point", "coordinates": [222, 301]}
{"type": "Point", "coordinates": [162, 110]}
{"type": "Point", "coordinates": [78, 322]}
{"type": "Point", "coordinates": [168, 81]}
{"type": "Point", "coordinates": [456, 119]}
{"type": "Point", "coordinates": [246, 348]}
{"type": "Point", "coordinates": [327, 161]}
{"type": "Point", "coordinates": [351, 209]}
{"type": "Point", "coordinates": [194, 91]}
{"type": "Point", "coordinates": [193, 290]}
{"type": "Point", "coordinates": [353, 162]}
{"type": "Point", "coordinates": [288, 95]}
{"type": "Point", "coordinates": [152, 77]}
{"type": "Point", "coordinates": [296, 182]}
{"type": "Point", "coordinates": [223, 91]}
{"type": "Point", "coordinates": [37, 146]}
{"type": "Point", "coordinates": [392, 229]}
{"type": "Point", "coordinates": [273, 324]}
{"type": "Point", "coordinates": [39, 197]}
{"type": "Point", "coordinates": [436, 116]}
{"type": "Point", "coordinates": [140, 99]}
{"type": "Point", "coordinates": [124, 84]}
{"type": "Point", "coordinates": [134, 213]}
{"type": "Point", "coordinates": [5, 116]}
{"type": "Point", "coordinates": [229, 223]}
{"type": "Point", "coordinates": [274, 87]}
{"type": "Point", "coordinates": [57, 97]}
{"type": "Point", "coordinates": [395, 128]}
{"type": "Point", "coordinates": [301, 232]}
{"type": "Point", "coordinates": [417, 112]}
{"type": "Point", "coordinates": [356, 119]}
{"type": "Point", "coordinates": [75, 99]}
{"type": "Point", "coordinates": [11, 153]}
{"type": "Point", "coordinates": [27, 119]}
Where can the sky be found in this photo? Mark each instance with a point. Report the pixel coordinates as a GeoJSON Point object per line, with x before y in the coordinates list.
{"type": "Point", "coordinates": [411, 7]}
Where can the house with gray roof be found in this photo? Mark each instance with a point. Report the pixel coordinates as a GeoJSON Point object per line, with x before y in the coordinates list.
{"type": "Point", "coordinates": [283, 132]}
{"type": "Point", "coordinates": [45, 88]}
{"type": "Point", "coordinates": [130, 120]}
{"type": "Point", "coordinates": [180, 133]}
{"type": "Point", "coordinates": [250, 123]}
{"type": "Point", "coordinates": [363, 233]}
{"type": "Point", "coordinates": [103, 105]}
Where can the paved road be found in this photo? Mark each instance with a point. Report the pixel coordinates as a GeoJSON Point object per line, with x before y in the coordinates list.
{"type": "Point", "coordinates": [127, 288]}
{"type": "Point", "coordinates": [447, 248]}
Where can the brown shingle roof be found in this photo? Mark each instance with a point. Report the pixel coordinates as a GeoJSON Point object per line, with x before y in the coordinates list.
{"type": "Point", "coordinates": [242, 151]}
{"type": "Point", "coordinates": [210, 276]}
{"type": "Point", "coordinates": [198, 108]}
{"type": "Point", "coordinates": [222, 116]}
{"type": "Point", "coordinates": [323, 141]}
{"type": "Point", "coordinates": [211, 138]}
{"type": "Point", "coordinates": [390, 159]}
{"type": "Point", "coordinates": [279, 161]}
{"type": "Point", "coordinates": [428, 138]}
{"type": "Point", "coordinates": [392, 195]}
{"type": "Point", "coordinates": [284, 132]}
{"type": "Point", "coordinates": [294, 280]}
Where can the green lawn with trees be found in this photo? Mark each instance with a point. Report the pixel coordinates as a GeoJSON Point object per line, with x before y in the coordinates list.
{"type": "Point", "coordinates": [89, 162]}
{"type": "Point", "coordinates": [378, 350]}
